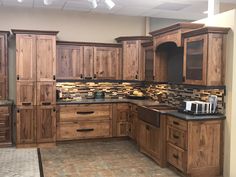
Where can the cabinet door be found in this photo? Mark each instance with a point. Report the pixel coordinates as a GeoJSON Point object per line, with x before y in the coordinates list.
{"type": "Point", "coordinates": [195, 60]}
{"type": "Point", "coordinates": [3, 91]}
{"type": "Point", "coordinates": [25, 125]}
{"type": "Point", "coordinates": [2, 57]}
{"type": "Point", "coordinates": [46, 56]}
{"type": "Point", "coordinates": [142, 134]}
{"type": "Point", "coordinates": [106, 62]}
{"type": "Point", "coordinates": [25, 57]}
{"type": "Point", "coordinates": [153, 141]}
{"type": "Point", "coordinates": [69, 62]}
{"type": "Point", "coordinates": [46, 124]}
{"type": "Point", "coordinates": [88, 62]}
{"type": "Point", "coordinates": [46, 93]}
{"type": "Point", "coordinates": [122, 128]}
{"type": "Point", "coordinates": [26, 93]}
{"type": "Point", "coordinates": [131, 54]}
{"type": "Point", "coordinates": [149, 64]}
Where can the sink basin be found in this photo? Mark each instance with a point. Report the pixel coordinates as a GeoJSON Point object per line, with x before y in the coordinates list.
{"type": "Point", "coordinates": [151, 113]}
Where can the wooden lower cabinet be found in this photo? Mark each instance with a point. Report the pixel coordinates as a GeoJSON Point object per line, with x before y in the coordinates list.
{"type": "Point", "coordinates": [84, 121]}
{"type": "Point", "coordinates": [35, 125]}
{"type": "Point", "coordinates": [46, 124]}
{"type": "Point", "coordinates": [133, 122]}
{"type": "Point", "coordinates": [5, 126]}
{"type": "Point", "coordinates": [195, 148]}
{"type": "Point", "coordinates": [25, 125]}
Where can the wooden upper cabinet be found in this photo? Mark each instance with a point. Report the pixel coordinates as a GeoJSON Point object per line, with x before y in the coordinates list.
{"type": "Point", "coordinates": [69, 62]}
{"type": "Point", "coordinates": [25, 57]}
{"type": "Point", "coordinates": [148, 57]}
{"type": "Point", "coordinates": [46, 124]}
{"type": "Point", "coordinates": [46, 57]}
{"type": "Point", "coordinates": [4, 65]}
{"type": "Point", "coordinates": [106, 62]}
{"type": "Point", "coordinates": [204, 61]}
{"type": "Point", "coordinates": [25, 125]}
{"type": "Point", "coordinates": [133, 62]}
{"type": "Point", "coordinates": [88, 62]}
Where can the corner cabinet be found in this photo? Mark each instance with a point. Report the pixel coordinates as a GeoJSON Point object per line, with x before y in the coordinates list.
{"type": "Point", "coordinates": [36, 87]}
{"type": "Point", "coordinates": [4, 65]}
{"type": "Point", "coordinates": [133, 62]}
{"type": "Point", "coordinates": [80, 60]}
{"type": "Point", "coordinates": [204, 60]}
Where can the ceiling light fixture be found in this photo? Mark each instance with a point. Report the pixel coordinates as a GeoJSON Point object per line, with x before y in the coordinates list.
{"type": "Point", "coordinates": [47, 2]}
{"type": "Point", "coordinates": [94, 3]}
{"type": "Point", "coordinates": [110, 3]}
{"type": "Point", "coordinates": [20, 1]}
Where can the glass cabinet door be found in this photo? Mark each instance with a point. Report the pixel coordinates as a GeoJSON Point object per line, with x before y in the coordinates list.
{"type": "Point", "coordinates": [195, 59]}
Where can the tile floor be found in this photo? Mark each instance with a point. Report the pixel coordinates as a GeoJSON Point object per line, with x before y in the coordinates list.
{"type": "Point", "coordinates": [19, 162]}
{"type": "Point", "coordinates": [99, 159]}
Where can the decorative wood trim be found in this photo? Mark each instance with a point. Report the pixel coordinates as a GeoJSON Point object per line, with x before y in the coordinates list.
{"type": "Point", "coordinates": [130, 38]}
{"type": "Point", "coordinates": [176, 26]}
{"type": "Point", "coordinates": [97, 44]}
{"type": "Point", "coordinates": [206, 30]}
{"type": "Point", "coordinates": [5, 32]}
{"type": "Point", "coordinates": [39, 32]}
{"type": "Point", "coordinates": [147, 44]}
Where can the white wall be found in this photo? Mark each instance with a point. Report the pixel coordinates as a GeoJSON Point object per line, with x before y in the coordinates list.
{"type": "Point", "coordinates": [73, 26]}
{"type": "Point", "coordinates": [228, 19]}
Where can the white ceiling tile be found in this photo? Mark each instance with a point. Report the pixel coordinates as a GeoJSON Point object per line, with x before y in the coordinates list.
{"type": "Point", "coordinates": [131, 11]}
{"type": "Point", "coordinates": [56, 4]}
{"type": "Point", "coordinates": [82, 5]}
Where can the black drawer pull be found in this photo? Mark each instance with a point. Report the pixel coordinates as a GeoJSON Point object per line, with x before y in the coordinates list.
{"type": "Point", "coordinates": [26, 104]}
{"type": "Point", "coordinates": [18, 77]}
{"type": "Point", "coordinates": [46, 103]}
{"type": "Point", "coordinates": [88, 112]}
{"type": "Point", "coordinates": [175, 136]}
{"type": "Point", "coordinates": [94, 76]}
{"type": "Point", "coordinates": [85, 130]}
{"type": "Point", "coordinates": [81, 76]}
{"type": "Point", "coordinates": [175, 156]}
{"type": "Point", "coordinates": [88, 78]}
{"type": "Point", "coordinates": [176, 123]}
{"type": "Point", "coordinates": [54, 77]}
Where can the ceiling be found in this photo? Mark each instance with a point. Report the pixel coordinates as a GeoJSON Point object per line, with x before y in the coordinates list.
{"type": "Point", "coordinates": [181, 9]}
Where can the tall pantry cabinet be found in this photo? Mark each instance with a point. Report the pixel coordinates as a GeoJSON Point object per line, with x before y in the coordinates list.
{"type": "Point", "coordinates": [35, 87]}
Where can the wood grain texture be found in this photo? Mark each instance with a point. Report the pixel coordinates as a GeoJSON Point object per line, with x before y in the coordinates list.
{"type": "Point", "coordinates": [46, 93]}
{"type": "Point", "coordinates": [122, 119]}
{"type": "Point", "coordinates": [26, 93]}
{"type": "Point", "coordinates": [5, 126]}
{"type": "Point", "coordinates": [88, 62]}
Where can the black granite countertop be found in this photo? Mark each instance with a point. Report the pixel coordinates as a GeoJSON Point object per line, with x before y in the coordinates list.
{"type": "Point", "coordinates": [5, 102]}
{"type": "Point", "coordinates": [185, 116]}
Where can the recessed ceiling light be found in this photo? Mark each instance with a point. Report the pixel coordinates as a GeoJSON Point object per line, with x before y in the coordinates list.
{"type": "Point", "coordinates": [47, 2]}
{"type": "Point", "coordinates": [110, 3]}
{"type": "Point", "coordinates": [94, 3]}
{"type": "Point", "coordinates": [20, 1]}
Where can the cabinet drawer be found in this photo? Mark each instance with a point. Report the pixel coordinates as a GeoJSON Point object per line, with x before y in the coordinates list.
{"type": "Point", "coordinates": [4, 135]}
{"type": "Point", "coordinates": [83, 130]}
{"type": "Point", "coordinates": [177, 137]}
{"type": "Point", "coordinates": [177, 123]}
{"type": "Point", "coordinates": [4, 120]}
{"type": "Point", "coordinates": [176, 157]}
{"type": "Point", "coordinates": [85, 112]}
{"type": "Point", "coordinates": [4, 110]}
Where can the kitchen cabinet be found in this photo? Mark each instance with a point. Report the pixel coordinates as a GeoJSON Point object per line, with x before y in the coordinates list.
{"type": "Point", "coordinates": [84, 121]}
{"type": "Point", "coordinates": [35, 86]}
{"type": "Point", "coordinates": [46, 124]}
{"type": "Point", "coordinates": [204, 62]}
{"type": "Point", "coordinates": [4, 65]}
{"type": "Point", "coordinates": [133, 122]}
{"type": "Point", "coordinates": [121, 118]}
{"type": "Point", "coordinates": [148, 57]}
{"type": "Point", "coordinates": [106, 63]}
{"type": "Point", "coordinates": [70, 62]}
{"type": "Point", "coordinates": [5, 126]}
{"type": "Point", "coordinates": [133, 63]}
{"type": "Point", "coordinates": [168, 51]}
{"type": "Point", "coordinates": [195, 147]}
{"type": "Point", "coordinates": [25, 125]}
{"type": "Point", "coordinates": [80, 60]}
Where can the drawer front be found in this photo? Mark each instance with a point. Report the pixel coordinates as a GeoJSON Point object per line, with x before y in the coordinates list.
{"type": "Point", "coordinates": [85, 112]}
{"type": "Point", "coordinates": [177, 123]}
{"type": "Point", "coordinates": [177, 137]}
{"type": "Point", "coordinates": [4, 121]}
{"type": "Point", "coordinates": [83, 130]}
{"type": "Point", "coordinates": [4, 110]}
{"type": "Point", "coordinates": [176, 157]}
{"type": "Point", "coordinates": [4, 135]}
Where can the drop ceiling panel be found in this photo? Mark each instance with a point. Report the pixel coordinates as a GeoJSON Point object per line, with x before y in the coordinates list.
{"type": "Point", "coordinates": [56, 4]}
{"type": "Point", "coordinates": [81, 5]}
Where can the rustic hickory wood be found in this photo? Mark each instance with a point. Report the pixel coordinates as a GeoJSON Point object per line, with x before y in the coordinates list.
{"type": "Point", "coordinates": [5, 126]}
{"type": "Point", "coordinates": [151, 140]}
{"type": "Point", "coordinates": [46, 93]}
{"type": "Point", "coordinates": [210, 58]}
{"type": "Point", "coordinates": [84, 121]}
{"type": "Point", "coordinates": [4, 65]}
{"type": "Point", "coordinates": [133, 63]}
{"type": "Point", "coordinates": [200, 154]}
{"type": "Point", "coordinates": [26, 93]}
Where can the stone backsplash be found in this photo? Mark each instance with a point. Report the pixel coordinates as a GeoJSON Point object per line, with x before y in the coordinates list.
{"type": "Point", "coordinates": [166, 93]}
